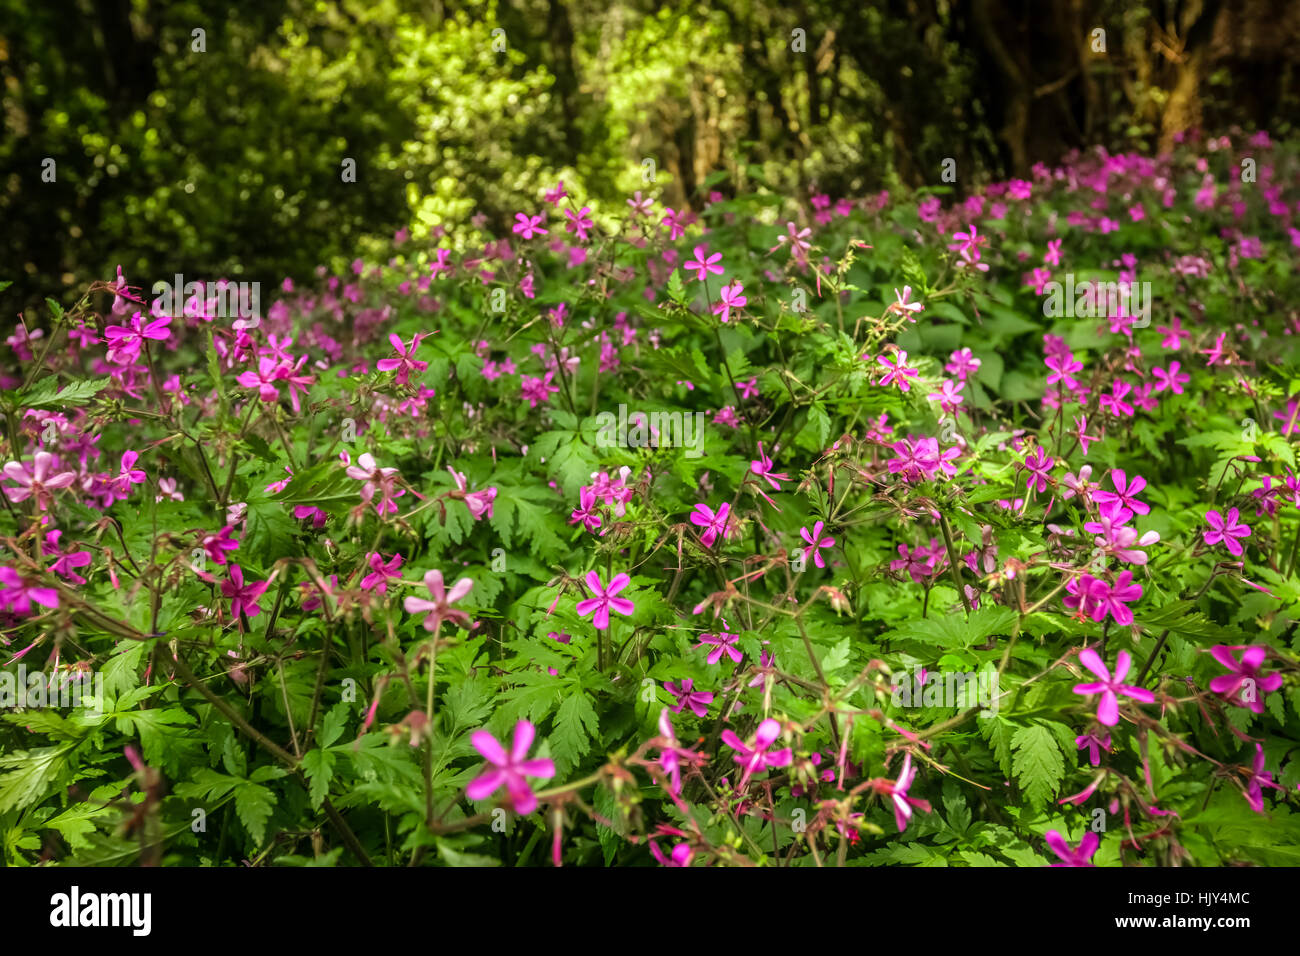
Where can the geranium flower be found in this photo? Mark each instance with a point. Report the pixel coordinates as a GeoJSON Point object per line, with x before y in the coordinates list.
{"type": "Point", "coordinates": [1226, 530]}
{"type": "Point", "coordinates": [604, 601]}
{"type": "Point", "coordinates": [405, 363]}
{"type": "Point", "coordinates": [816, 542]}
{"type": "Point", "coordinates": [243, 597]}
{"type": "Point", "coordinates": [1071, 856]}
{"type": "Point", "coordinates": [440, 608]}
{"type": "Point", "coordinates": [509, 770]}
{"type": "Point", "coordinates": [713, 523]}
{"type": "Point", "coordinates": [1244, 676]}
{"type": "Point", "coordinates": [1110, 687]}
{"type": "Point", "coordinates": [698, 701]}
{"type": "Point", "coordinates": [758, 757]}
{"type": "Point", "coordinates": [722, 643]}
{"type": "Point", "coordinates": [36, 481]}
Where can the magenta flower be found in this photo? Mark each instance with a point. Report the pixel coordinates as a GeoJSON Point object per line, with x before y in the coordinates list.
{"type": "Point", "coordinates": [381, 480]}
{"type": "Point", "coordinates": [816, 542]}
{"type": "Point", "coordinates": [730, 297]}
{"type": "Point", "coordinates": [762, 467]}
{"type": "Point", "coordinates": [380, 573]}
{"type": "Point", "coordinates": [604, 599]}
{"type": "Point", "coordinates": [405, 363]}
{"type": "Point", "coordinates": [1172, 379]}
{"type": "Point", "coordinates": [124, 341]}
{"type": "Point", "coordinates": [1257, 781]}
{"type": "Point", "coordinates": [1243, 684]}
{"type": "Point", "coordinates": [537, 389]}
{"type": "Point", "coordinates": [17, 594]}
{"type": "Point", "coordinates": [898, 371]}
{"type": "Point", "coordinates": [1096, 745]}
{"type": "Point", "coordinates": [65, 561]}
{"type": "Point", "coordinates": [698, 701]}
{"type": "Point", "coordinates": [509, 769]}
{"type": "Point", "coordinates": [527, 227]}
{"type": "Point", "coordinates": [243, 597]}
{"type": "Point", "coordinates": [216, 545]}
{"type": "Point", "coordinates": [585, 514]}
{"type": "Point", "coordinates": [903, 306]}
{"type": "Point", "coordinates": [37, 481]}
{"type": "Point", "coordinates": [703, 263]}
{"type": "Point", "coordinates": [1126, 490]}
{"type": "Point", "coordinates": [121, 483]}
{"type": "Point", "coordinates": [758, 757]}
{"type": "Point", "coordinates": [1039, 465]}
{"type": "Point", "coordinates": [1110, 687]}
{"type": "Point", "coordinates": [440, 608]}
{"type": "Point", "coordinates": [264, 379]}
{"type": "Point", "coordinates": [1226, 530]}
{"type": "Point", "coordinates": [1069, 855]}
{"type": "Point", "coordinates": [713, 523]}
{"type": "Point", "coordinates": [723, 643]}
{"type": "Point", "coordinates": [903, 804]}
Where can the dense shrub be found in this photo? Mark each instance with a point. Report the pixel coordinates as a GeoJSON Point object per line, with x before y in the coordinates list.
{"type": "Point", "coordinates": [430, 563]}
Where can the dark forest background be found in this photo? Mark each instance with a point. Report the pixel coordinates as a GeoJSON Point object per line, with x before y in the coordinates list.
{"type": "Point", "coordinates": [227, 160]}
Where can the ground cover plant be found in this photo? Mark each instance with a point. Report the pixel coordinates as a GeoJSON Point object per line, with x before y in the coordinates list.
{"type": "Point", "coordinates": [807, 531]}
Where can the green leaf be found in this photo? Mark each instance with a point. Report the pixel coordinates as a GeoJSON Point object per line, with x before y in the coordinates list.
{"type": "Point", "coordinates": [1037, 763]}
{"type": "Point", "coordinates": [253, 804]}
{"type": "Point", "coordinates": [45, 393]}
{"type": "Point", "coordinates": [37, 771]}
{"type": "Point", "coordinates": [318, 765]}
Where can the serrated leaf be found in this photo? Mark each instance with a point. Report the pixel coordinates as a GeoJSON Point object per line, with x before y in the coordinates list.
{"type": "Point", "coordinates": [253, 804]}
{"type": "Point", "coordinates": [1037, 763]}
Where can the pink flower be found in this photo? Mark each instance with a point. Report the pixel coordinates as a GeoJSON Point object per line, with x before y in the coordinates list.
{"type": "Point", "coordinates": [703, 264]}
{"type": "Point", "coordinates": [1110, 687]}
{"type": "Point", "coordinates": [509, 769]}
{"type": "Point", "coordinates": [1226, 530]}
{"type": "Point", "coordinates": [1125, 492]}
{"type": "Point", "coordinates": [1069, 855]}
{"type": "Point", "coordinates": [405, 364]}
{"type": "Point", "coordinates": [479, 503]}
{"type": "Point", "coordinates": [1258, 780]}
{"type": "Point", "coordinates": [1243, 684]}
{"type": "Point", "coordinates": [381, 480]}
{"type": "Point", "coordinates": [1171, 379]}
{"type": "Point", "coordinates": [216, 545]}
{"type": "Point", "coordinates": [37, 481]}
{"type": "Point", "coordinates": [380, 573]}
{"type": "Point", "coordinates": [604, 599]}
{"type": "Point", "coordinates": [124, 341]}
{"type": "Point", "coordinates": [121, 483]}
{"type": "Point", "coordinates": [440, 608]}
{"type": "Point", "coordinates": [713, 523]}
{"type": "Point", "coordinates": [578, 222]}
{"type": "Point", "coordinates": [17, 594]}
{"type": "Point", "coordinates": [730, 297]}
{"type": "Point", "coordinates": [527, 227]}
{"type": "Point", "coordinates": [758, 757]}
{"type": "Point", "coordinates": [903, 804]}
{"type": "Point", "coordinates": [898, 371]}
{"type": "Point", "coordinates": [586, 514]}
{"type": "Point", "coordinates": [687, 696]}
{"type": "Point", "coordinates": [816, 542]}
{"type": "Point", "coordinates": [536, 389]}
{"type": "Point", "coordinates": [264, 379]}
{"type": "Point", "coordinates": [903, 306]}
{"type": "Point", "coordinates": [243, 597]}
{"type": "Point", "coordinates": [723, 643]}
{"type": "Point", "coordinates": [1095, 746]}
